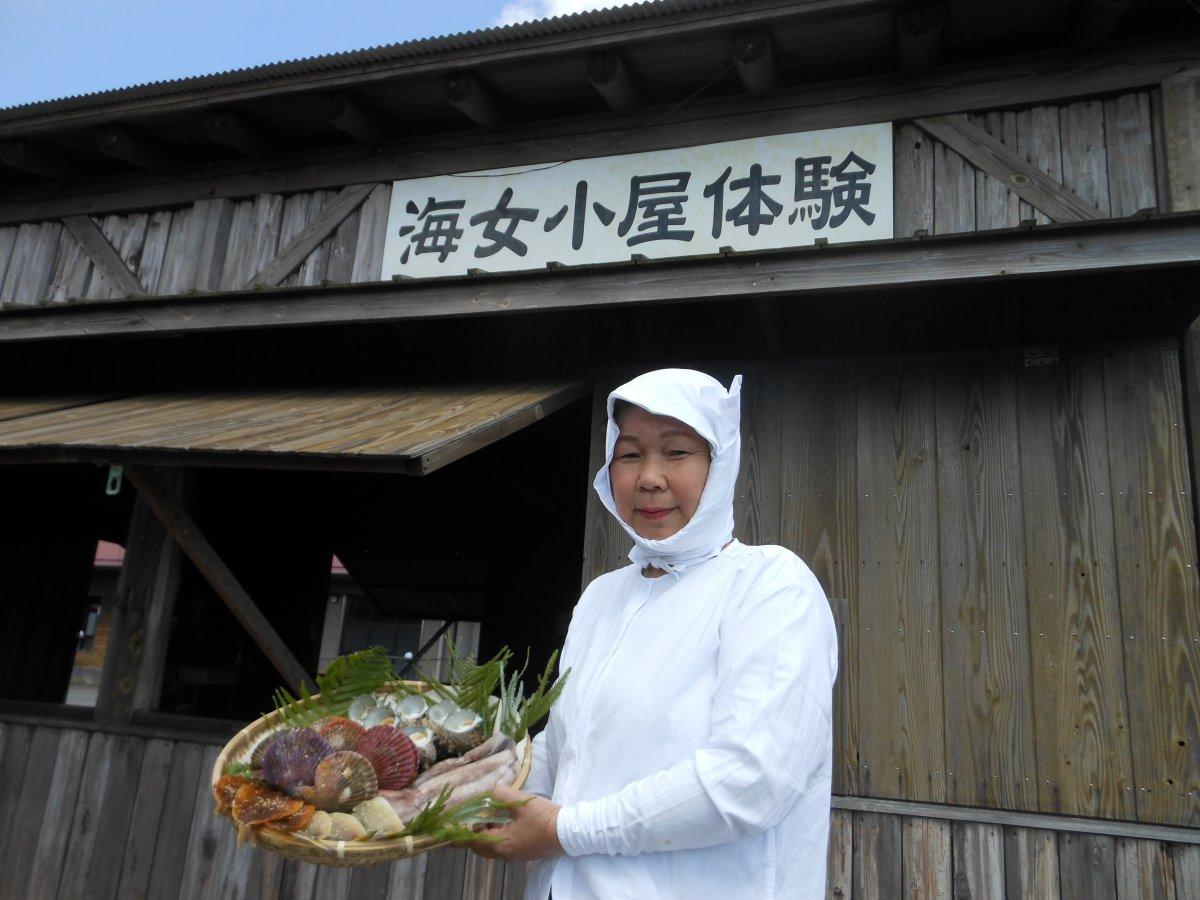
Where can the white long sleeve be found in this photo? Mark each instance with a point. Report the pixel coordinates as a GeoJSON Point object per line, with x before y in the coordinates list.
{"type": "Point", "coordinates": [701, 717]}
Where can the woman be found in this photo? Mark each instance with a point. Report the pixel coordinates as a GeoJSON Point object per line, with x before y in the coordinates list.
{"type": "Point", "coordinates": [690, 754]}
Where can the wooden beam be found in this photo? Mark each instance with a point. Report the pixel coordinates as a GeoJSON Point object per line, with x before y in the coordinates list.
{"type": "Point", "coordinates": [104, 255]}
{"type": "Point", "coordinates": [25, 156]}
{"type": "Point", "coordinates": [474, 99]}
{"type": "Point", "coordinates": [331, 216]}
{"type": "Point", "coordinates": [228, 128]}
{"type": "Point", "coordinates": [1025, 179]}
{"type": "Point", "coordinates": [134, 664]}
{"type": "Point", "coordinates": [346, 114]}
{"type": "Point", "coordinates": [1181, 130]}
{"type": "Point", "coordinates": [754, 58]}
{"type": "Point", "coordinates": [919, 37]}
{"type": "Point", "coordinates": [1113, 246]}
{"type": "Point", "coordinates": [1011, 82]}
{"type": "Point", "coordinates": [610, 76]}
{"type": "Point", "coordinates": [120, 143]}
{"type": "Point", "coordinates": [1095, 22]}
{"type": "Point", "coordinates": [178, 522]}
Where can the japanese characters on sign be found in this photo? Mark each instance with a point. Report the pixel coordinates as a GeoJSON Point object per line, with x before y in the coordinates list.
{"type": "Point", "coordinates": [779, 191]}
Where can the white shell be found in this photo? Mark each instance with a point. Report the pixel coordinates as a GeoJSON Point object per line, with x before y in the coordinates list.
{"type": "Point", "coordinates": [439, 712]}
{"type": "Point", "coordinates": [423, 739]}
{"type": "Point", "coordinates": [360, 706]}
{"type": "Point", "coordinates": [380, 715]}
{"type": "Point", "coordinates": [411, 708]}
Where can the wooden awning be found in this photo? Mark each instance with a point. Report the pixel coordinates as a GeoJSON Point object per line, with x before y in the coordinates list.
{"type": "Point", "coordinates": [408, 429]}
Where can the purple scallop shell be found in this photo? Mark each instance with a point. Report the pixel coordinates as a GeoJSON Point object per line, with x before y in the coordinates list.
{"type": "Point", "coordinates": [291, 759]}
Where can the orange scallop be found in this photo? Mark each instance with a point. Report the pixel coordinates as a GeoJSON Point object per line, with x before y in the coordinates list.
{"type": "Point", "coordinates": [256, 804]}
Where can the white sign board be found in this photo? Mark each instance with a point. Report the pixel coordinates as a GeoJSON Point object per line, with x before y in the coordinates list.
{"type": "Point", "coordinates": [781, 191]}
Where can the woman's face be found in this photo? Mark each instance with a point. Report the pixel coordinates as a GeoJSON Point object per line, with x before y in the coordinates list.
{"type": "Point", "coordinates": [658, 472]}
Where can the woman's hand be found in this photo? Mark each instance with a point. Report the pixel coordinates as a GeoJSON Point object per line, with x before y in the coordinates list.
{"type": "Point", "coordinates": [532, 833]}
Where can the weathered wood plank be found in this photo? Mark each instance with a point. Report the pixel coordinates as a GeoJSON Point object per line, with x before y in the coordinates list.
{"type": "Point", "coordinates": [112, 227]}
{"type": "Point", "coordinates": [912, 150]}
{"type": "Point", "coordinates": [18, 844]}
{"type": "Point", "coordinates": [483, 879]}
{"type": "Point", "coordinates": [978, 861]}
{"type": "Point", "coordinates": [72, 269]}
{"type": "Point", "coordinates": [1084, 162]}
{"type": "Point", "coordinates": [8, 238]}
{"type": "Point", "coordinates": [314, 267]}
{"type": "Point", "coordinates": [150, 805]}
{"type": "Point", "coordinates": [927, 858]}
{"type": "Point", "coordinates": [1129, 150]}
{"type": "Point", "coordinates": [372, 232]}
{"type": "Point", "coordinates": [1156, 570]}
{"type": "Point", "coordinates": [1030, 863]}
{"type": "Point", "coordinates": [1144, 870]}
{"type": "Point", "coordinates": [298, 881]}
{"type": "Point", "coordinates": [204, 833]}
{"type": "Point", "coordinates": [295, 217]}
{"type": "Point", "coordinates": [992, 157]}
{"type": "Point", "coordinates": [154, 250]}
{"type": "Point", "coordinates": [444, 873]}
{"type": "Point", "coordinates": [31, 264]}
{"type": "Point", "coordinates": [332, 882]}
{"type": "Point", "coordinates": [818, 521]}
{"type": "Point", "coordinates": [187, 766]}
{"type": "Point", "coordinates": [60, 810]}
{"type": "Point", "coordinates": [985, 635]}
{"type": "Point", "coordinates": [900, 680]}
{"type": "Point", "coordinates": [1181, 129]}
{"type": "Point", "coordinates": [605, 543]}
{"type": "Point", "coordinates": [216, 217]}
{"type": "Point", "coordinates": [953, 191]}
{"type": "Point", "coordinates": [515, 876]}
{"type": "Point", "coordinates": [116, 813]}
{"type": "Point", "coordinates": [1187, 871]}
{"type": "Point", "coordinates": [839, 867]}
{"type": "Point", "coordinates": [236, 267]}
{"type": "Point", "coordinates": [1087, 867]}
{"type": "Point", "coordinates": [298, 247]}
{"type": "Point", "coordinates": [878, 857]}
{"type": "Point", "coordinates": [371, 882]}
{"type": "Point", "coordinates": [1039, 139]}
{"type": "Point", "coordinates": [757, 500]}
{"type": "Point", "coordinates": [996, 206]}
{"type": "Point", "coordinates": [86, 821]}
{"type": "Point", "coordinates": [341, 249]}
{"type": "Point", "coordinates": [1083, 748]}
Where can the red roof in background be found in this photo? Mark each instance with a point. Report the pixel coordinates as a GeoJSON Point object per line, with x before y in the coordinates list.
{"type": "Point", "coordinates": [110, 556]}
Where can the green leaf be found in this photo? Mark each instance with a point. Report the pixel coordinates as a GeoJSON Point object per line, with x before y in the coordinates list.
{"type": "Point", "coordinates": [362, 672]}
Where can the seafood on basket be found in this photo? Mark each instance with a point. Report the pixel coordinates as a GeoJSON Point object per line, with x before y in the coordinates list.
{"type": "Point", "coordinates": [375, 759]}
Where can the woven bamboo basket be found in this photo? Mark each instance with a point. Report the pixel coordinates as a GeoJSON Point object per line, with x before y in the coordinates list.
{"type": "Point", "coordinates": [335, 853]}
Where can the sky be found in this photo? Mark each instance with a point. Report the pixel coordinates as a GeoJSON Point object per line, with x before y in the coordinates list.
{"type": "Point", "coordinates": [58, 48]}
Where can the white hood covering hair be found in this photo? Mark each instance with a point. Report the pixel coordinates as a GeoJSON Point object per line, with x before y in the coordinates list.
{"type": "Point", "coordinates": [700, 401]}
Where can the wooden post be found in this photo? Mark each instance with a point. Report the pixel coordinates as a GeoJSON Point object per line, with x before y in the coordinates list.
{"type": "Point", "coordinates": [146, 592]}
{"type": "Point", "coordinates": [474, 99]}
{"type": "Point", "coordinates": [192, 541]}
{"type": "Point", "coordinates": [755, 61]}
{"type": "Point", "coordinates": [1181, 129]}
{"type": "Point", "coordinates": [611, 77]}
{"type": "Point", "coordinates": [346, 114]}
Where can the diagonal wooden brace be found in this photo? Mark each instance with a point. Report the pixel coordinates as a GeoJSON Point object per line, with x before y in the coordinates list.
{"type": "Point", "coordinates": [180, 525]}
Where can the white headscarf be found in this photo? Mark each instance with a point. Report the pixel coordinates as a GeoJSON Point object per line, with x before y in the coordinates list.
{"type": "Point", "coordinates": [700, 401]}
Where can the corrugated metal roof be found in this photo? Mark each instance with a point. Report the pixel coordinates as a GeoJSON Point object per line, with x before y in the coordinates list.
{"type": "Point", "coordinates": [431, 46]}
{"type": "Point", "coordinates": [413, 429]}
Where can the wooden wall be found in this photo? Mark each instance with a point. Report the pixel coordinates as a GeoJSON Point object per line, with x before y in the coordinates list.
{"type": "Point", "coordinates": [1010, 554]}
{"type": "Point", "coordinates": [86, 813]}
{"type": "Point", "coordinates": [1105, 150]}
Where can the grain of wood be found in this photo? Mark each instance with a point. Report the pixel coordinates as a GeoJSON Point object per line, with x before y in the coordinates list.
{"type": "Point", "coordinates": [757, 501]}
{"type": "Point", "coordinates": [978, 861]}
{"type": "Point", "coordinates": [985, 630]}
{"type": "Point", "coordinates": [1039, 138]}
{"type": "Point", "coordinates": [372, 233]}
{"type": "Point", "coordinates": [1187, 871]}
{"type": "Point", "coordinates": [818, 521]}
{"type": "Point", "coordinates": [60, 810]}
{"type": "Point", "coordinates": [298, 881]}
{"type": "Point", "coordinates": [515, 877]}
{"type": "Point", "coordinates": [605, 542]}
{"type": "Point", "coordinates": [483, 879]}
{"type": "Point", "coordinates": [109, 262]}
{"type": "Point", "coordinates": [927, 857]}
{"type": "Point", "coordinates": [371, 882]}
{"type": "Point", "coordinates": [72, 270]}
{"type": "Point", "coordinates": [1157, 571]}
{"type": "Point", "coordinates": [214, 222]}
{"type": "Point", "coordinates": [1129, 149]}
{"type": "Point", "coordinates": [237, 264]}
{"type": "Point", "coordinates": [839, 868]}
{"type": "Point", "coordinates": [408, 877]}
{"type": "Point", "coordinates": [953, 191]}
{"type": "Point", "coordinates": [1144, 870]}
{"type": "Point", "coordinates": [1084, 161]}
{"type": "Point", "coordinates": [182, 253]}
{"type": "Point", "coordinates": [31, 263]}
{"type": "Point", "coordinates": [341, 249]}
{"type": "Point", "coordinates": [150, 805]}
{"type": "Point", "coordinates": [1087, 867]}
{"type": "Point", "coordinates": [333, 882]}
{"type": "Point", "coordinates": [913, 160]}
{"type": "Point", "coordinates": [900, 684]}
{"type": "Point", "coordinates": [316, 264]}
{"type": "Point", "coordinates": [187, 768]}
{"type": "Point", "coordinates": [86, 822]}
{"type": "Point", "coordinates": [444, 873]}
{"type": "Point", "coordinates": [290, 254]}
{"type": "Point", "coordinates": [878, 857]}
{"type": "Point", "coordinates": [18, 844]}
{"type": "Point", "coordinates": [1180, 95]}
{"type": "Point", "coordinates": [8, 238]}
{"type": "Point", "coordinates": [203, 836]}
{"type": "Point", "coordinates": [1030, 863]}
{"type": "Point", "coordinates": [154, 250]}
{"type": "Point", "coordinates": [295, 217]}
{"type": "Point", "coordinates": [100, 286]}
{"type": "Point", "coordinates": [995, 205]}
{"type": "Point", "coordinates": [116, 813]}
{"type": "Point", "coordinates": [1080, 717]}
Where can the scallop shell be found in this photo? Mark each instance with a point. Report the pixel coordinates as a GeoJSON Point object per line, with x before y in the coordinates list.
{"type": "Point", "coordinates": [257, 804]}
{"type": "Point", "coordinates": [393, 756]}
{"type": "Point", "coordinates": [360, 706]}
{"type": "Point", "coordinates": [226, 789]}
{"type": "Point", "coordinates": [297, 821]}
{"type": "Point", "coordinates": [411, 709]}
{"type": "Point", "coordinates": [256, 755]}
{"type": "Point", "coordinates": [343, 779]}
{"type": "Point", "coordinates": [459, 732]}
{"type": "Point", "coordinates": [377, 816]}
{"type": "Point", "coordinates": [380, 715]}
{"type": "Point", "coordinates": [439, 711]}
{"type": "Point", "coordinates": [422, 738]}
{"type": "Point", "coordinates": [344, 827]}
{"type": "Point", "coordinates": [342, 733]}
{"type": "Point", "coordinates": [291, 760]}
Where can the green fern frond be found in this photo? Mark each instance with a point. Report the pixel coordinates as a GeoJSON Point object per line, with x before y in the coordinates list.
{"type": "Point", "coordinates": [362, 672]}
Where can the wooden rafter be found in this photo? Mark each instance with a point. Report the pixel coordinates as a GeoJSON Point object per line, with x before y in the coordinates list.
{"type": "Point", "coordinates": [120, 143]}
{"type": "Point", "coordinates": [331, 216]}
{"type": "Point", "coordinates": [25, 156]}
{"type": "Point", "coordinates": [754, 58]}
{"type": "Point", "coordinates": [1022, 177]}
{"type": "Point", "coordinates": [919, 37]}
{"type": "Point", "coordinates": [228, 128]}
{"type": "Point", "coordinates": [179, 523]}
{"type": "Point", "coordinates": [609, 74]}
{"type": "Point", "coordinates": [104, 255]}
{"type": "Point", "coordinates": [346, 114]}
{"type": "Point", "coordinates": [474, 99]}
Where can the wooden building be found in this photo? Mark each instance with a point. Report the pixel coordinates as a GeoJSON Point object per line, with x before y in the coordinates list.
{"type": "Point", "coordinates": [980, 431]}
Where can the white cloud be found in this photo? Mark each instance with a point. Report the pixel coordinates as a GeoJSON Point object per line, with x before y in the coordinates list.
{"type": "Point", "coordinates": [524, 10]}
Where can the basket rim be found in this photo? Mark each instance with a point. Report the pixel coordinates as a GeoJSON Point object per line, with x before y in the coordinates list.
{"type": "Point", "coordinates": [341, 853]}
